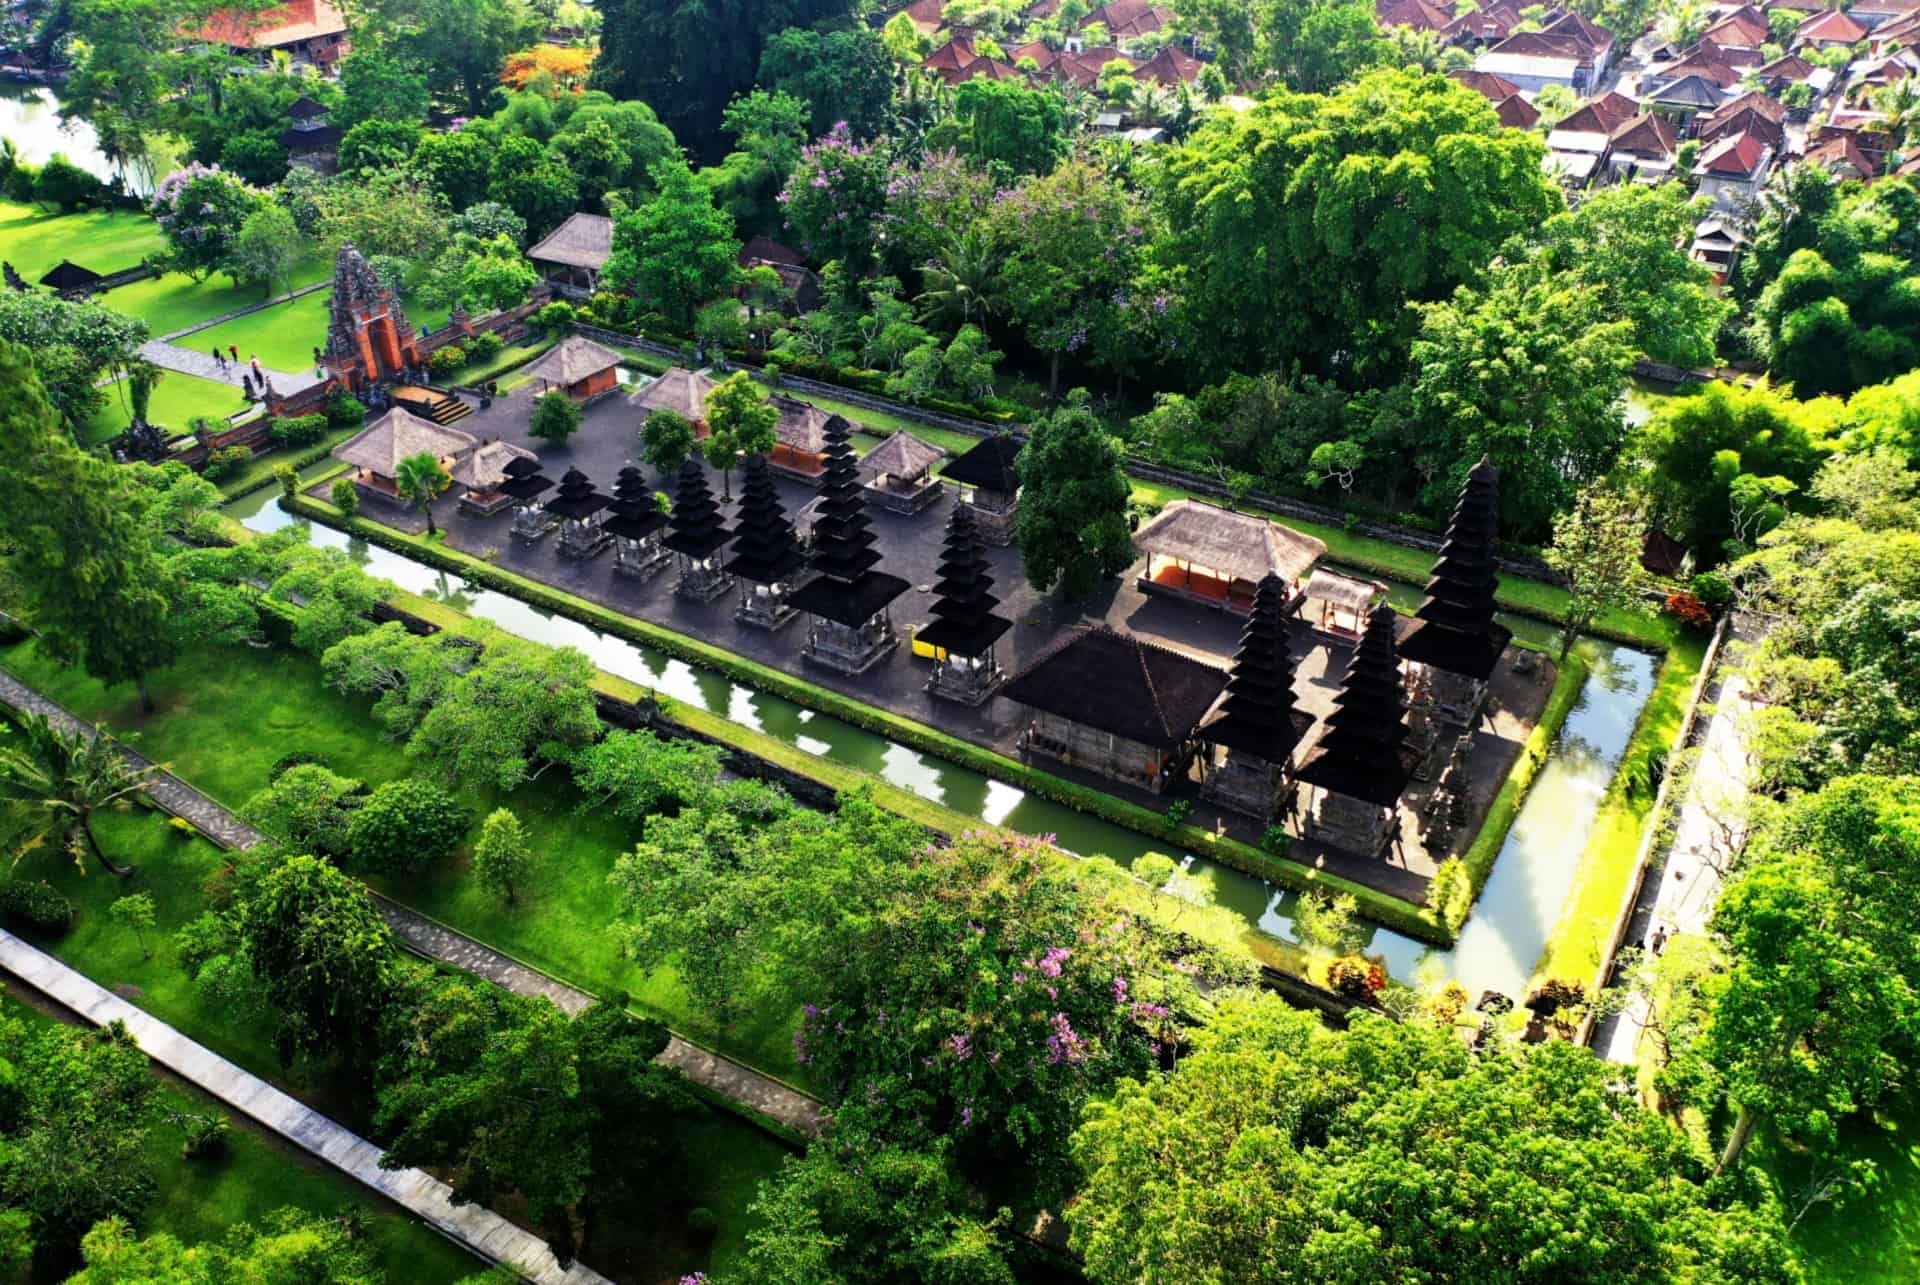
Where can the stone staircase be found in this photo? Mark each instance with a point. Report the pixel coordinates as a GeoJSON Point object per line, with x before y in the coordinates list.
{"type": "Point", "coordinates": [443, 408]}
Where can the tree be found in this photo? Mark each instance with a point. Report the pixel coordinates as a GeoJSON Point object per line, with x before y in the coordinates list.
{"type": "Point", "coordinates": [636, 775]}
{"type": "Point", "coordinates": [1397, 188]}
{"type": "Point", "coordinates": [268, 248]}
{"type": "Point", "coordinates": [968, 364]}
{"type": "Point", "coordinates": [740, 421]}
{"type": "Point", "coordinates": [257, 156]}
{"type": "Point", "coordinates": [392, 213]}
{"type": "Point", "coordinates": [128, 68]}
{"type": "Point", "coordinates": [507, 716]}
{"type": "Point", "coordinates": [1317, 45]}
{"type": "Point", "coordinates": [840, 75]}
{"type": "Point", "coordinates": [666, 439]}
{"type": "Point", "coordinates": [76, 1128]}
{"type": "Point", "coordinates": [488, 275]}
{"type": "Point", "coordinates": [502, 862]}
{"type": "Point", "coordinates": [323, 953]}
{"type": "Point", "coordinates": [835, 196]}
{"type": "Point", "coordinates": [1281, 1150]}
{"type": "Point", "coordinates": [535, 185]}
{"type": "Point", "coordinates": [376, 144]}
{"type": "Point", "coordinates": [307, 808]}
{"type": "Point", "coordinates": [1596, 547]}
{"type": "Point", "coordinates": [74, 345]}
{"type": "Point", "coordinates": [134, 911]}
{"type": "Point", "coordinates": [1529, 372]}
{"type": "Point", "coordinates": [201, 212]}
{"type": "Point", "coordinates": [556, 417]}
{"type": "Point", "coordinates": [770, 131]}
{"type": "Point", "coordinates": [676, 251]}
{"type": "Point", "coordinates": [405, 826]}
{"type": "Point", "coordinates": [460, 44]}
{"type": "Point", "coordinates": [420, 480]}
{"type": "Point", "coordinates": [374, 85]}
{"type": "Point", "coordinates": [457, 165]}
{"type": "Point", "coordinates": [289, 1245]}
{"type": "Point", "coordinates": [66, 777]}
{"type": "Point", "coordinates": [1008, 124]}
{"type": "Point", "coordinates": [85, 563]}
{"type": "Point", "coordinates": [962, 284]}
{"type": "Point", "coordinates": [1072, 524]}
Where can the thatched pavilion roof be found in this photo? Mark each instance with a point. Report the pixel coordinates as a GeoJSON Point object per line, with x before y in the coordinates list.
{"type": "Point", "coordinates": [1243, 545]}
{"type": "Point", "coordinates": [486, 468]}
{"type": "Point", "coordinates": [1114, 682]}
{"type": "Point", "coordinates": [381, 445]}
{"type": "Point", "coordinates": [583, 241]}
{"type": "Point", "coordinates": [902, 455]}
{"type": "Point", "coordinates": [680, 391]}
{"type": "Point", "coordinates": [572, 360]}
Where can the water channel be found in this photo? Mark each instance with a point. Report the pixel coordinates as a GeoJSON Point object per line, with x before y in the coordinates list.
{"type": "Point", "coordinates": [1496, 951]}
{"type": "Point", "coordinates": [30, 120]}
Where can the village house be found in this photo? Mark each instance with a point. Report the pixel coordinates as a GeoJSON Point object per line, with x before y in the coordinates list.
{"type": "Point", "coordinates": [313, 33]}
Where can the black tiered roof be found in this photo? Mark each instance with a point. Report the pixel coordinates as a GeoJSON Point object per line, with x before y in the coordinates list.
{"type": "Point", "coordinates": [848, 590]}
{"type": "Point", "coordinates": [1454, 628]}
{"type": "Point", "coordinates": [1362, 753]}
{"type": "Point", "coordinates": [526, 488]}
{"type": "Point", "coordinates": [1114, 682]}
{"type": "Point", "coordinates": [636, 515]}
{"type": "Point", "coordinates": [694, 527]}
{"type": "Point", "coordinates": [577, 500]}
{"type": "Point", "coordinates": [1258, 716]}
{"type": "Point", "coordinates": [963, 619]}
{"type": "Point", "coordinates": [988, 466]}
{"type": "Point", "coordinates": [764, 548]}
{"type": "Point", "coordinates": [520, 466]}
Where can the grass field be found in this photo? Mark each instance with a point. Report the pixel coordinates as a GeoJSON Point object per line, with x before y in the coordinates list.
{"type": "Point", "coordinates": [173, 301]}
{"type": "Point", "coordinates": [177, 399]}
{"type": "Point", "coordinates": [1874, 1239]}
{"type": "Point", "coordinates": [199, 1200]}
{"type": "Point", "coordinates": [107, 241]}
{"type": "Point", "coordinates": [286, 334]}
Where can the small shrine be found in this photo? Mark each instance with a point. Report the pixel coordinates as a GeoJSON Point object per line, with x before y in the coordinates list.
{"type": "Point", "coordinates": [1361, 764]}
{"type": "Point", "coordinates": [989, 484]}
{"type": "Point", "coordinates": [369, 339]}
{"type": "Point", "coordinates": [964, 630]}
{"type": "Point", "coordinates": [850, 628]}
{"type": "Point", "coordinates": [524, 486]}
{"type": "Point", "coordinates": [484, 473]}
{"type": "Point", "coordinates": [71, 281]}
{"type": "Point", "coordinates": [1454, 643]}
{"type": "Point", "coordinates": [1246, 759]}
{"type": "Point", "coordinates": [582, 369]}
{"type": "Point", "coordinates": [696, 534]}
{"type": "Point", "coordinates": [900, 473]}
{"type": "Point", "coordinates": [312, 140]}
{"type": "Point", "coordinates": [766, 553]}
{"type": "Point", "coordinates": [375, 452]}
{"type": "Point", "coordinates": [580, 508]}
{"type": "Point", "coordinates": [636, 521]}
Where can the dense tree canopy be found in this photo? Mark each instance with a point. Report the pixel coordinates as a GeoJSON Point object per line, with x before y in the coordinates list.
{"type": "Point", "coordinates": [840, 75]}
{"type": "Point", "coordinates": [1072, 524]}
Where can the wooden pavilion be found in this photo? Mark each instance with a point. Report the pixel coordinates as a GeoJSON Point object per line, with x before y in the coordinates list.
{"type": "Point", "coordinates": [524, 486]}
{"type": "Point", "coordinates": [899, 473]}
{"type": "Point", "coordinates": [696, 534]}
{"type": "Point", "coordinates": [801, 449]}
{"type": "Point", "coordinates": [1339, 605]}
{"type": "Point", "coordinates": [766, 555]}
{"type": "Point", "coordinates": [989, 484]}
{"type": "Point", "coordinates": [681, 391]}
{"type": "Point", "coordinates": [484, 472]}
{"type": "Point", "coordinates": [635, 521]}
{"type": "Point", "coordinates": [1361, 763]}
{"type": "Point", "coordinates": [849, 627]}
{"type": "Point", "coordinates": [581, 510]}
{"type": "Point", "coordinates": [1454, 644]}
{"type": "Point", "coordinates": [1200, 552]}
{"type": "Point", "coordinates": [577, 366]}
{"type": "Point", "coordinates": [375, 451]}
{"type": "Point", "coordinates": [571, 256]}
{"type": "Point", "coordinates": [964, 630]}
{"type": "Point", "coordinates": [1114, 705]}
{"type": "Point", "coordinates": [1246, 760]}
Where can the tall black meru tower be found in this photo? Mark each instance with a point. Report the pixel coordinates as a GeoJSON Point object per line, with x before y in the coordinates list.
{"type": "Point", "coordinates": [636, 525]}
{"type": "Point", "coordinates": [1251, 737]}
{"type": "Point", "coordinates": [849, 629]}
{"type": "Point", "coordinates": [766, 555]}
{"type": "Point", "coordinates": [696, 534]}
{"type": "Point", "coordinates": [964, 628]}
{"type": "Point", "coordinates": [1455, 643]}
{"type": "Point", "coordinates": [1361, 763]}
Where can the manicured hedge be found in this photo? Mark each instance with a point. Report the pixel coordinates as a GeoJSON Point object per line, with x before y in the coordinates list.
{"type": "Point", "coordinates": [1391, 912]}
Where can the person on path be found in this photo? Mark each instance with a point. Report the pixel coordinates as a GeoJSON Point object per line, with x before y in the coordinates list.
{"type": "Point", "coordinates": [219, 358]}
{"type": "Point", "coordinates": [253, 360]}
{"type": "Point", "coordinates": [234, 350]}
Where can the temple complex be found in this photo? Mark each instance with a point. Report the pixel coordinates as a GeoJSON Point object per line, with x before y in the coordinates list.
{"type": "Point", "coordinates": [989, 484]}
{"type": "Point", "coordinates": [369, 339]}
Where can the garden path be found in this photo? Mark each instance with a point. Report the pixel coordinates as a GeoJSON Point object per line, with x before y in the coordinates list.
{"type": "Point", "coordinates": [713, 1071]}
{"type": "Point", "coordinates": [200, 362]}
{"type": "Point", "coordinates": [479, 1229]}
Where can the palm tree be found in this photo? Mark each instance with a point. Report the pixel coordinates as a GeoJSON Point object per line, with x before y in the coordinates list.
{"type": "Point", "coordinates": [962, 283]}
{"type": "Point", "coordinates": [1899, 103]}
{"type": "Point", "coordinates": [420, 481]}
{"type": "Point", "coordinates": [66, 777]}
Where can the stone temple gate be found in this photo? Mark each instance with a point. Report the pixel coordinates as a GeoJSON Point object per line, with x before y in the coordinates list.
{"type": "Point", "coordinates": [369, 339]}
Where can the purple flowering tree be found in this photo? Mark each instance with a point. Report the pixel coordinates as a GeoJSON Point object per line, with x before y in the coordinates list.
{"type": "Point", "coordinates": [835, 197]}
{"type": "Point", "coordinates": [201, 209]}
{"type": "Point", "coordinates": [932, 205]}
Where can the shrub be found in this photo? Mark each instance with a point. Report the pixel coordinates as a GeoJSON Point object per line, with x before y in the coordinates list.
{"type": "Point", "coordinates": [484, 347]}
{"type": "Point", "coordinates": [447, 360]}
{"type": "Point", "coordinates": [1356, 977]}
{"type": "Point", "coordinates": [204, 1134]}
{"type": "Point", "coordinates": [1556, 994]}
{"type": "Point", "coordinates": [1714, 590]}
{"type": "Point", "coordinates": [555, 418]}
{"type": "Point", "coordinates": [345, 410]}
{"type": "Point", "coordinates": [702, 1225]}
{"type": "Point", "coordinates": [206, 937]}
{"type": "Point", "coordinates": [555, 316]}
{"type": "Point", "coordinates": [404, 826]}
{"type": "Point", "coordinates": [182, 827]}
{"type": "Point", "coordinates": [1276, 840]}
{"type": "Point", "coordinates": [226, 461]}
{"type": "Point", "coordinates": [63, 184]}
{"type": "Point", "coordinates": [37, 905]}
{"type": "Point", "coordinates": [293, 759]}
{"type": "Point", "coordinates": [1689, 611]}
{"type": "Point", "coordinates": [1450, 894]}
{"type": "Point", "coordinates": [298, 430]}
{"type": "Point", "coordinates": [1178, 811]}
{"type": "Point", "coordinates": [346, 496]}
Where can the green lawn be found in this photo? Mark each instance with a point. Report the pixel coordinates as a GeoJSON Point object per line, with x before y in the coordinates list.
{"type": "Point", "coordinates": [286, 334]}
{"type": "Point", "coordinates": [1875, 1238]}
{"type": "Point", "coordinates": [198, 1200]}
{"type": "Point", "coordinates": [1608, 862]}
{"type": "Point", "coordinates": [177, 399]}
{"type": "Point", "coordinates": [173, 301]}
{"type": "Point", "coordinates": [34, 240]}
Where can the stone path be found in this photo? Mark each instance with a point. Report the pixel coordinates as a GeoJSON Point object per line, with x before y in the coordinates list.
{"type": "Point", "coordinates": [714, 1071]}
{"type": "Point", "coordinates": [479, 1229]}
{"type": "Point", "coordinates": [199, 362]}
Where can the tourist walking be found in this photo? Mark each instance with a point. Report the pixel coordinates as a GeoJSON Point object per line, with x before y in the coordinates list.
{"type": "Point", "coordinates": [254, 361]}
{"type": "Point", "coordinates": [219, 358]}
{"type": "Point", "coordinates": [234, 350]}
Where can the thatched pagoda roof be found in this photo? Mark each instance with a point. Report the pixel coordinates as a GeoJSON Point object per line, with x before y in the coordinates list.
{"type": "Point", "coordinates": [902, 455]}
{"type": "Point", "coordinates": [583, 241]}
{"type": "Point", "coordinates": [681, 391]}
{"type": "Point", "coordinates": [1243, 545]}
{"type": "Point", "coordinates": [488, 466]}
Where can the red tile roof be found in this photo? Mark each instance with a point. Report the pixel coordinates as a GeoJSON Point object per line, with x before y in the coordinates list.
{"type": "Point", "coordinates": [1169, 67]}
{"type": "Point", "coordinates": [1830, 28]}
{"type": "Point", "coordinates": [282, 24]}
{"type": "Point", "coordinates": [1516, 112]}
{"type": "Point", "coordinates": [1736, 157]}
{"type": "Point", "coordinates": [1647, 134]}
{"type": "Point", "coordinates": [1496, 89]}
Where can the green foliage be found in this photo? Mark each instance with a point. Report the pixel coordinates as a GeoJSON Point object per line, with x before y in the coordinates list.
{"type": "Point", "coordinates": [345, 410]}
{"type": "Point", "coordinates": [73, 346]}
{"type": "Point", "coordinates": [135, 912]}
{"type": "Point", "coordinates": [421, 479]}
{"type": "Point", "coordinates": [739, 422]}
{"type": "Point", "coordinates": [298, 430]}
{"type": "Point", "coordinates": [289, 1245]}
{"type": "Point", "coordinates": [666, 439]}
{"type": "Point", "coordinates": [60, 779]}
{"type": "Point", "coordinates": [445, 361]}
{"type": "Point", "coordinates": [637, 775]}
{"type": "Point", "coordinates": [485, 346]}
{"type": "Point", "coordinates": [1009, 126]}
{"type": "Point", "coordinates": [556, 417]}
{"type": "Point", "coordinates": [377, 143]}
{"type": "Point", "coordinates": [226, 461]}
{"type": "Point", "coordinates": [308, 808]}
{"type": "Point", "coordinates": [345, 495]}
{"type": "Point", "coordinates": [375, 85]}
{"type": "Point", "coordinates": [37, 905]}
{"type": "Point", "coordinates": [502, 862]}
{"type": "Point", "coordinates": [405, 826]}
{"type": "Point", "coordinates": [835, 196]}
{"type": "Point", "coordinates": [201, 212]}
{"type": "Point", "coordinates": [65, 186]}
{"type": "Point", "coordinates": [676, 251]}
{"type": "Point", "coordinates": [323, 954]}
{"type": "Point", "coordinates": [1072, 524]}
{"type": "Point", "coordinates": [840, 76]}
{"type": "Point", "coordinates": [459, 44]}
{"type": "Point", "coordinates": [1596, 547]}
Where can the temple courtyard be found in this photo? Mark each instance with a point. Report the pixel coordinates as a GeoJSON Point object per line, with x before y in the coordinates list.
{"type": "Point", "coordinates": [910, 547]}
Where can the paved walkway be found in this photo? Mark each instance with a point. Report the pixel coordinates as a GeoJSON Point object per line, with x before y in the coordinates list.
{"type": "Point", "coordinates": [713, 1071]}
{"type": "Point", "coordinates": [199, 362]}
{"type": "Point", "coordinates": [478, 1228]}
{"type": "Point", "coordinates": [1684, 881]}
